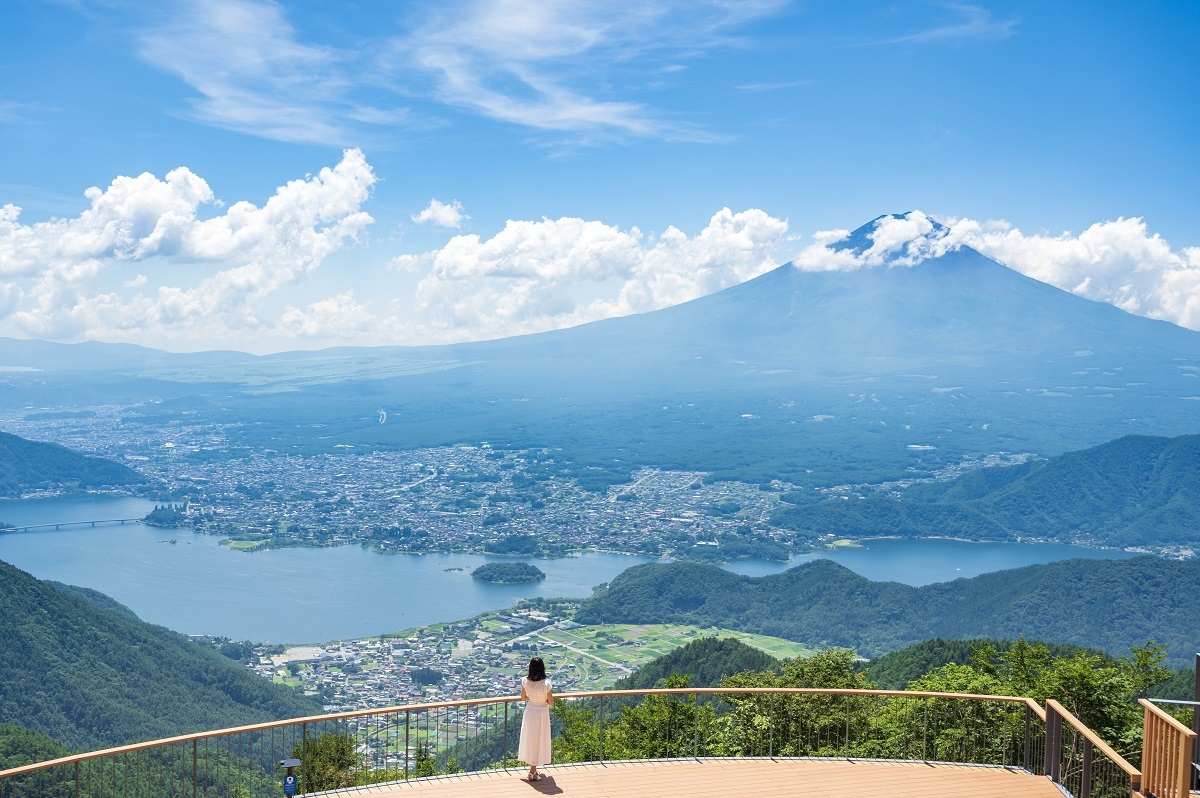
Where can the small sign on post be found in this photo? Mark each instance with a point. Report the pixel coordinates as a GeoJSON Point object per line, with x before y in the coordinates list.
{"type": "Point", "coordinates": [289, 780]}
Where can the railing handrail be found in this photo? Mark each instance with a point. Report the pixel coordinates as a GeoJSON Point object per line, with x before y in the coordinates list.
{"type": "Point", "coordinates": [1165, 718]}
{"type": "Point", "coordinates": [1091, 737]}
{"type": "Point", "coordinates": [467, 702]}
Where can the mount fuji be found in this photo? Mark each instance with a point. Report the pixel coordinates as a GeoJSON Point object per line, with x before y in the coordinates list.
{"type": "Point", "coordinates": [812, 377]}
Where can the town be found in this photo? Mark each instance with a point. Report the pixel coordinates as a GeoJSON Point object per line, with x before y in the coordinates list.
{"type": "Point", "coordinates": [470, 498]}
{"type": "Point", "coordinates": [481, 656]}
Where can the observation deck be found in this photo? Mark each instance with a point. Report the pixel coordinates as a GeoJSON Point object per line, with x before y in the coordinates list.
{"type": "Point", "coordinates": [719, 778]}
{"type": "Point", "coordinates": [705, 742]}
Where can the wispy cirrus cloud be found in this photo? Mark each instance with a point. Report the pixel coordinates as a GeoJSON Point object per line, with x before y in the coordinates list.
{"type": "Point", "coordinates": [970, 23]}
{"type": "Point", "coordinates": [542, 65]}
{"type": "Point", "coordinates": [254, 73]}
{"type": "Point", "coordinates": [557, 66]}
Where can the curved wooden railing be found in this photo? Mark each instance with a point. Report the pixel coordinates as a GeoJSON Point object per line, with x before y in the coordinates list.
{"type": "Point", "coordinates": [403, 742]}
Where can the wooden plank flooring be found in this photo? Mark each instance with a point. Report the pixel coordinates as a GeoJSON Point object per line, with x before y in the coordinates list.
{"type": "Point", "coordinates": [719, 778]}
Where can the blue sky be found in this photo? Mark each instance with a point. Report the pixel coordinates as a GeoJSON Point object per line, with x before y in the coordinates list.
{"type": "Point", "coordinates": [581, 155]}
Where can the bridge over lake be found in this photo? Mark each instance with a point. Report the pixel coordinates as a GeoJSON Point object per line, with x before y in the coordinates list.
{"type": "Point", "coordinates": [61, 524]}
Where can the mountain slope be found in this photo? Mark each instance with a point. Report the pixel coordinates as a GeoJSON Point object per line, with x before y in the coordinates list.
{"type": "Point", "coordinates": [28, 465]}
{"type": "Point", "coordinates": [1135, 491]}
{"type": "Point", "coordinates": [1110, 605]}
{"type": "Point", "coordinates": [817, 378]}
{"type": "Point", "coordinates": [91, 677]}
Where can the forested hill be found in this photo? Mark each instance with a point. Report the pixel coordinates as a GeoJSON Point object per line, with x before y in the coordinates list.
{"type": "Point", "coordinates": [896, 669]}
{"type": "Point", "coordinates": [705, 662]}
{"type": "Point", "coordinates": [30, 465]}
{"type": "Point", "coordinates": [1134, 491]}
{"type": "Point", "coordinates": [1109, 605]}
{"type": "Point", "coordinates": [91, 675]}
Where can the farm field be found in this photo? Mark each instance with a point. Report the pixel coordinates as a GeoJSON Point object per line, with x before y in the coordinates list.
{"type": "Point", "coordinates": [593, 657]}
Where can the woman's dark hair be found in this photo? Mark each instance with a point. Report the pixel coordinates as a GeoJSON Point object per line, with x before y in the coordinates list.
{"type": "Point", "coordinates": [537, 669]}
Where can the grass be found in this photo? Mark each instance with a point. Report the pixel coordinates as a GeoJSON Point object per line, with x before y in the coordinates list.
{"type": "Point", "coordinates": [244, 545]}
{"type": "Point", "coordinates": [603, 653]}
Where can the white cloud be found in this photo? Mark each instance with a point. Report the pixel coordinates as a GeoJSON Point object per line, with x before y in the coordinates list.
{"type": "Point", "coordinates": [973, 23]}
{"type": "Point", "coordinates": [556, 273]}
{"type": "Point", "coordinates": [243, 255]}
{"type": "Point", "coordinates": [10, 297]}
{"type": "Point", "coordinates": [252, 73]}
{"type": "Point", "coordinates": [441, 214]}
{"type": "Point", "coordinates": [552, 66]}
{"type": "Point", "coordinates": [1119, 262]}
{"type": "Point", "coordinates": [338, 316]}
{"type": "Point", "coordinates": [541, 65]}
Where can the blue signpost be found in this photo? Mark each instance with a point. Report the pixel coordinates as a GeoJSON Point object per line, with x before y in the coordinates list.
{"type": "Point", "coordinates": [289, 781]}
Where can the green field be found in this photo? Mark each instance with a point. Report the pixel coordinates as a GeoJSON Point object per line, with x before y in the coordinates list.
{"type": "Point", "coordinates": [244, 545]}
{"type": "Point", "coordinates": [596, 656]}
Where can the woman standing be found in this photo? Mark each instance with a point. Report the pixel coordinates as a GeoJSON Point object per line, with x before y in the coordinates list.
{"type": "Point", "coordinates": [535, 723]}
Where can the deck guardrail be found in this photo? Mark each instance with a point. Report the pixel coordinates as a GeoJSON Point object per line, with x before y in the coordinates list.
{"type": "Point", "coordinates": [1084, 764]}
{"type": "Point", "coordinates": [1167, 747]}
{"type": "Point", "coordinates": [373, 746]}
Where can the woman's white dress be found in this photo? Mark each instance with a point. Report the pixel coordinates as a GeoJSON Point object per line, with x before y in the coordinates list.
{"type": "Point", "coordinates": [534, 748]}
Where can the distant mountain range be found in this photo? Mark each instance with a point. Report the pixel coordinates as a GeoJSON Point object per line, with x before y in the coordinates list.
{"type": "Point", "coordinates": [27, 465]}
{"type": "Point", "coordinates": [1135, 491]}
{"type": "Point", "coordinates": [82, 669]}
{"type": "Point", "coordinates": [817, 378]}
{"type": "Point", "coordinates": [1110, 605]}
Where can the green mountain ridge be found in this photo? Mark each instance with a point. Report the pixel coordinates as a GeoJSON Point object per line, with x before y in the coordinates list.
{"type": "Point", "coordinates": [80, 668]}
{"type": "Point", "coordinates": [1134, 491]}
{"type": "Point", "coordinates": [1110, 605]}
{"type": "Point", "coordinates": [29, 465]}
{"type": "Point", "coordinates": [705, 661]}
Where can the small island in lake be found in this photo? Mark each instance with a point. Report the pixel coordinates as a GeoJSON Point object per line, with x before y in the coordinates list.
{"type": "Point", "coordinates": [508, 573]}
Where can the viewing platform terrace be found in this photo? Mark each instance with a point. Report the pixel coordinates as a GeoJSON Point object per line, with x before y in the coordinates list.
{"type": "Point", "coordinates": [656, 743]}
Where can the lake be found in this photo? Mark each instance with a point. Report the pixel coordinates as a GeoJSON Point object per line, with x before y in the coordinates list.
{"type": "Point", "coordinates": [197, 586]}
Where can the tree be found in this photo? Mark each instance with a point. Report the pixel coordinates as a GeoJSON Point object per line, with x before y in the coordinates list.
{"type": "Point", "coordinates": [327, 762]}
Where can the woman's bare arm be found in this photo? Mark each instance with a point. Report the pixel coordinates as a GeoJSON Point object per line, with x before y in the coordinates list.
{"type": "Point", "coordinates": [549, 696]}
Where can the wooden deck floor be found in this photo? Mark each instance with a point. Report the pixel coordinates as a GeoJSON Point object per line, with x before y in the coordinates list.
{"type": "Point", "coordinates": [719, 778]}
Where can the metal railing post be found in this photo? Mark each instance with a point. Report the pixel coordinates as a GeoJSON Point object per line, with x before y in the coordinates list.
{"type": "Point", "coordinates": [1053, 743]}
{"type": "Point", "coordinates": [1028, 754]}
{"type": "Point", "coordinates": [506, 735]}
{"type": "Point", "coordinates": [847, 725]}
{"type": "Point", "coordinates": [195, 768]}
{"type": "Point", "coordinates": [601, 728]}
{"type": "Point", "coordinates": [771, 728]}
{"type": "Point", "coordinates": [1085, 783]}
{"type": "Point", "coordinates": [1195, 780]}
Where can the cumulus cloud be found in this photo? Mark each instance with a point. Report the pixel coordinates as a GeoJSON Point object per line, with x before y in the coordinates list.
{"type": "Point", "coordinates": [1120, 262]}
{"type": "Point", "coordinates": [441, 214]}
{"type": "Point", "coordinates": [338, 316]}
{"type": "Point", "coordinates": [556, 273]}
{"type": "Point", "coordinates": [245, 253]}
